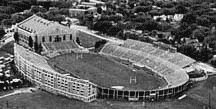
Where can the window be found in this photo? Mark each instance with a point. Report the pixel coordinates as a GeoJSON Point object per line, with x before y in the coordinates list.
{"type": "Point", "coordinates": [71, 37]}
{"type": "Point", "coordinates": [43, 39]}
{"type": "Point", "coordinates": [64, 37]}
{"type": "Point", "coordinates": [50, 38]}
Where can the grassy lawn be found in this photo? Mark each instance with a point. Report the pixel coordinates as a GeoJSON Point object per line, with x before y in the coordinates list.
{"type": "Point", "coordinates": [45, 100]}
{"type": "Point", "coordinates": [106, 72]}
{"type": "Point", "coordinates": [205, 89]}
{"type": "Point", "coordinates": [87, 40]}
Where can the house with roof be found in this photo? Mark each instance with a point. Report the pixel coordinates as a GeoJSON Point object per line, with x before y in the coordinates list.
{"type": "Point", "coordinates": [82, 10]}
{"type": "Point", "coordinates": [42, 30]}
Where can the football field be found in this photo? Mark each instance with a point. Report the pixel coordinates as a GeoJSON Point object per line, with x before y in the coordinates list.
{"type": "Point", "coordinates": [107, 72]}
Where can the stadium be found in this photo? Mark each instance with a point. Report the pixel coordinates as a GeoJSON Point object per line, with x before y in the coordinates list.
{"type": "Point", "coordinates": [132, 70]}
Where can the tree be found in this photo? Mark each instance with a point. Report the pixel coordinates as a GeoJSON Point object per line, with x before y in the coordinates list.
{"type": "Point", "coordinates": [203, 21]}
{"type": "Point", "coordinates": [30, 43]}
{"type": "Point", "coordinates": [121, 35]}
{"type": "Point", "coordinates": [102, 26]}
{"type": "Point", "coordinates": [204, 54]}
{"type": "Point", "coordinates": [180, 9]}
{"type": "Point", "coordinates": [167, 11]}
{"type": "Point", "coordinates": [88, 21]}
{"type": "Point", "coordinates": [167, 4]}
{"type": "Point", "coordinates": [148, 25]}
{"type": "Point", "coordinates": [40, 48]}
{"type": "Point", "coordinates": [188, 50]}
{"type": "Point", "coordinates": [142, 9]}
{"type": "Point", "coordinates": [213, 62]}
{"type": "Point", "coordinates": [64, 11]}
{"type": "Point", "coordinates": [199, 34]}
{"type": "Point", "coordinates": [4, 16]}
{"type": "Point", "coordinates": [189, 19]}
{"type": "Point", "coordinates": [100, 43]}
{"type": "Point", "coordinates": [28, 14]}
{"type": "Point", "coordinates": [16, 37]}
{"type": "Point", "coordinates": [17, 18]}
{"type": "Point", "coordinates": [7, 9]}
{"type": "Point", "coordinates": [113, 30]}
{"type": "Point", "coordinates": [2, 33]}
{"type": "Point", "coordinates": [142, 18]}
{"type": "Point", "coordinates": [99, 10]}
{"type": "Point", "coordinates": [78, 40]}
{"type": "Point", "coordinates": [115, 18]}
{"type": "Point", "coordinates": [7, 22]}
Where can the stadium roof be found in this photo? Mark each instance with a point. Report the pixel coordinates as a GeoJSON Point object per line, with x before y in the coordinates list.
{"type": "Point", "coordinates": [41, 26]}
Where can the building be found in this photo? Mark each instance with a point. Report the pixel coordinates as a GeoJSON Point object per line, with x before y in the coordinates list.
{"type": "Point", "coordinates": [42, 30]}
{"type": "Point", "coordinates": [55, 79]}
{"type": "Point", "coordinates": [174, 18]}
{"type": "Point", "coordinates": [97, 2]}
{"type": "Point", "coordinates": [82, 10]}
{"type": "Point", "coordinates": [34, 68]}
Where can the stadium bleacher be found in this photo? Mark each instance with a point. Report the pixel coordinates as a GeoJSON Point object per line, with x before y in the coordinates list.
{"type": "Point", "coordinates": [129, 55]}
{"type": "Point", "coordinates": [109, 49]}
{"type": "Point", "coordinates": [173, 57]}
{"type": "Point", "coordinates": [158, 52]}
{"type": "Point", "coordinates": [59, 46]}
{"type": "Point", "coordinates": [167, 69]}
{"type": "Point", "coordinates": [119, 52]}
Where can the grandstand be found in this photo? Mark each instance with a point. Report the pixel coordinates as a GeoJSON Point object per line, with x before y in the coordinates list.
{"type": "Point", "coordinates": [171, 72]}
{"type": "Point", "coordinates": [173, 57]}
{"type": "Point", "coordinates": [59, 46]}
{"type": "Point", "coordinates": [147, 57]}
{"type": "Point", "coordinates": [142, 70]}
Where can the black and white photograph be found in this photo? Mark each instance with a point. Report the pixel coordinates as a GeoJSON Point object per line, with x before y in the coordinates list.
{"type": "Point", "coordinates": [107, 54]}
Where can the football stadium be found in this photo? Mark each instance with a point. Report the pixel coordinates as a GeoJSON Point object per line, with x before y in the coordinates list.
{"type": "Point", "coordinates": [132, 70]}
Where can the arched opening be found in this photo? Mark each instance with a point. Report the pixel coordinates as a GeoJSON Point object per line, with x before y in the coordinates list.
{"type": "Point", "coordinates": [43, 39]}
{"type": "Point", "coordinates": [50, 38]}
{"type": "Point", "coordinates": [71, 37]}
{"type": "Point", "coordinates": [64, 38]}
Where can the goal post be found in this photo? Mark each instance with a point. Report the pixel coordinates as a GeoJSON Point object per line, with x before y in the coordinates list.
{"type": "Point", "coordinates": [79, 56]}
{"type": "Point", "coordinates": [133, 80]}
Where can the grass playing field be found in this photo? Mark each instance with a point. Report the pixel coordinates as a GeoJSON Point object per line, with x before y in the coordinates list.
{"type": "Point", "coordinates": [107, 72]}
